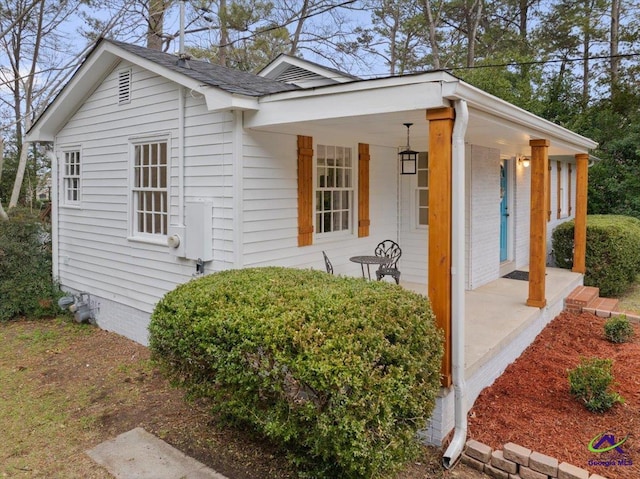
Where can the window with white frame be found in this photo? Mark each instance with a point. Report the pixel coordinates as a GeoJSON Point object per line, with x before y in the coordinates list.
{"type": "Point", "coordinates": [71, 177]}
{"type": "Point", "coordinates": [150, 192]}
{"type": "Point", "coordinates": [334, 189]}
{"type": "Point", "coordinates": [422, 190]}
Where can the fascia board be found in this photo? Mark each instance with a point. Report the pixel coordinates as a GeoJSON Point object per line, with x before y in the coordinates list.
{"type": "Point", "coordinates": [491, 105]}
{"type": "Point", "coordinates": [340, 101]}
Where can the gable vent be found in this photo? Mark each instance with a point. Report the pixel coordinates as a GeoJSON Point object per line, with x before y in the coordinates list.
{"type": "Point", "coordinates": [124, 86]}
{"type": "Point", "coordinates": [293, 74]}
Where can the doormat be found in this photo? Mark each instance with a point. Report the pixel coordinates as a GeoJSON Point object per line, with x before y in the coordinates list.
{"type": "Point", "coordinates": [521, 275]}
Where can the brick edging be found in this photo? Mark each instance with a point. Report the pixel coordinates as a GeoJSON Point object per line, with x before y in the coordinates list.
{"type": "Point", "coordinates": [587, 299]}
{"type": "Point", "coordinates": [517, 462]}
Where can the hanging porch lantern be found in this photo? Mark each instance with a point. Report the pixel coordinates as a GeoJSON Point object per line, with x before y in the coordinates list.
{"type": "Point", "coordinates": [408, 157]}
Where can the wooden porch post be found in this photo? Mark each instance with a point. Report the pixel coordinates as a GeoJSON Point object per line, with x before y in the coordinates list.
{"type": "Point", "coordinates": [580, 228]}
{"type": "Point", "coordinates": [440, 157]}
{"type": "Point", "coordinates": [538, 222]}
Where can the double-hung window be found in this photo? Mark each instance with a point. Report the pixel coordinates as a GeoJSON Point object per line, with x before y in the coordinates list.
{"type": "Point", "coordinates": [422, 190]}
{"type": "Point", "coordinates": [150, 191]}
{"type": "Point", "coordinates": [71, 177]}
{"type": "Point", "coordinates": [334, 189]}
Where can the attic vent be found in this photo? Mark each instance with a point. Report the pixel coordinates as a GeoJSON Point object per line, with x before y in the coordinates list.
{"type": "Point", "coordinates": [124, 86]}
{"type": "Point", "coordinates": [294, 73]}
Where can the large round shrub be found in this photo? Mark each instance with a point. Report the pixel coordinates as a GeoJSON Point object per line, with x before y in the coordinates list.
{"type": "Point", "coordinates": [613, 251]}
{"type": "Point", "coordinates": [340, 371]}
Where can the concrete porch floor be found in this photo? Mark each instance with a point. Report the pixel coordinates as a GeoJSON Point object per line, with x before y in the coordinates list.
{"type": "Point", "coordinates": [496, 313]}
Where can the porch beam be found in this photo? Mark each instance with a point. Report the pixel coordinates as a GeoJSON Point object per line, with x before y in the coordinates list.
{"type": "Point", "coordinates": [538, 222]}
{"type": "Point", "coordinates": [580, 223]}
{"type": "Point", "coordinates": [441, 122]}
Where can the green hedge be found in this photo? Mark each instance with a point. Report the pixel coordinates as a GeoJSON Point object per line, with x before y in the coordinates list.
{"type": "Point", "coordinates": [613, 251]}
{"type": "Point", "coordinates": [26, 285]}
{"type": "Point", "coordinates": [340, 371]}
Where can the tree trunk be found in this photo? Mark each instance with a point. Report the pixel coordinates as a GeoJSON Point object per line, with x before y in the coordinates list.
{"type": "Point", "coordinates": [296, 36]}
{"type": "Point", "coordinates": [224, 33]}
{"type": "Point", "coordinates": [3, 214]}
{"type": "Point", "coordinates": [585, 69]}
{"type": "Point", "coordinates": [28, 110]}
{"type": "Point", "coordinates": [155, 25]}
{"type": "Point", "coordinates": [474, 15]}
{"type": "Point", "coordinates": [615, 40]}
{"type": "Point", "coordinates": [433, 22]}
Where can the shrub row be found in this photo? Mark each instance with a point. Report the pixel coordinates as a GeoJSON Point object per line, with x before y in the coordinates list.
{"type": "Point", "coordinates": [340, 371]}
{"type": "Point", "coordinates": [613, 251]}
{"type": "Point", "coordinates": [26, 285]}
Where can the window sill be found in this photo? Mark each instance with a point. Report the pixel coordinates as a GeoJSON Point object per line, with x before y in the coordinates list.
{"type": "Point", "coordinates": [159, 241]}
{"type": "Point", "coordinates": [72, 207]}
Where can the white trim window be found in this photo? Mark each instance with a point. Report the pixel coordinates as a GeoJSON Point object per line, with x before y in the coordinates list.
{"type": "Point", "coordinates": [334, 189]}
{"type": "Point", "coordinates": [150, 190]}
{"type": "Point", "coordinates": [422, 190]}
{"type": "Point", "coordinates": [71, 177]}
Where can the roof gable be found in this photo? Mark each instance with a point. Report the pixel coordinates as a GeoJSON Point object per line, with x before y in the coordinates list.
{"type": "Point", "coordinates": [223, 88]}
{"type": "Point", "coordinates": [303, 73]}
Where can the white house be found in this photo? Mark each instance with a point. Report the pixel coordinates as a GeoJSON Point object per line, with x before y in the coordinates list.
{"type": "Point", "coordinates": [167, 167]}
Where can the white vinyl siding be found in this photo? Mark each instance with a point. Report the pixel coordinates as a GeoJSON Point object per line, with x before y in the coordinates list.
{"type": "Point", "coordinates": [334, 189]}
{"type": "Point", "coordinates": [150, 190]}
{"type": "Point", "coordinates": [96, 252]}
{"type": "Point", "coordinates": [71, 178]}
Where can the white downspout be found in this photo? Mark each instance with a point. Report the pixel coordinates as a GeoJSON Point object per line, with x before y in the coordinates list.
{"type": "Point", "coordinates": [181, 121]}
{"type": "Point", "coordinates": [456, 446]}
{"type": "Point", "coordinates": [237, 164]}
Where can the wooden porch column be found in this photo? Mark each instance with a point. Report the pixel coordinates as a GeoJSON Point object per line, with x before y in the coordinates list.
{"type": "Point", "coordinates": [580, 228]}
{"type": "Point", "coordinates": [440, 158]}
{"type": "Point", "coordinates": [538, 222]}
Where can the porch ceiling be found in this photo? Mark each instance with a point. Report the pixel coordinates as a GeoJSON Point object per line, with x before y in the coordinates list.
{"type": "Point", "coordinates": [387, 129]}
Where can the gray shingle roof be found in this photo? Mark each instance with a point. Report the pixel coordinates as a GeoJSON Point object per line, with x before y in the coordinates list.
{"type": "Point", "coordinates": [232, 81]}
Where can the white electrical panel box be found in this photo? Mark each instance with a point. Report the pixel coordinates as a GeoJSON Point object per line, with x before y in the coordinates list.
{"type": "Point", "coordinates": [198, 234]}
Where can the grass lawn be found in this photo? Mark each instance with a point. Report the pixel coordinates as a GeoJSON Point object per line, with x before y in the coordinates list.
{"type": "Point", "coordinates": [630, 301]}
{"type": "Point", "coordinates": [66, 388]}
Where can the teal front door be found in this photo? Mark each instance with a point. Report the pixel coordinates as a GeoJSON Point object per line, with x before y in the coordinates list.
{"type": "Point", "coordinates": [504, 212]}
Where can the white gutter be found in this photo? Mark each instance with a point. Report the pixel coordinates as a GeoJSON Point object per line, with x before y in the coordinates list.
{"type": "Point", "coordinates": [456, 446]}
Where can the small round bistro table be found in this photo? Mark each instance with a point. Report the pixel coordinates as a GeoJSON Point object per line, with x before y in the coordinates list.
{"type": "Point", "coordinates": [368, 260]}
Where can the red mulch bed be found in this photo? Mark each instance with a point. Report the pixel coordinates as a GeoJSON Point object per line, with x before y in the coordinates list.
{"type": "Point", "coordinates": [530, 404]}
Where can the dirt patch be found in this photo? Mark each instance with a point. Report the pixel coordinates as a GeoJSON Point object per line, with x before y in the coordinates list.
{"type": "Point", "coordinates": [530, 403]}
{"type": "Point", "coordinates": [67, 388]}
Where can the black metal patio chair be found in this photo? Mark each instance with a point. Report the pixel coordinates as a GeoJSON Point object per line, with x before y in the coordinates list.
{"type": "Point", "coordinates": [327, 263]}
{"type": "Point", "coordinates": [391, 250]}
